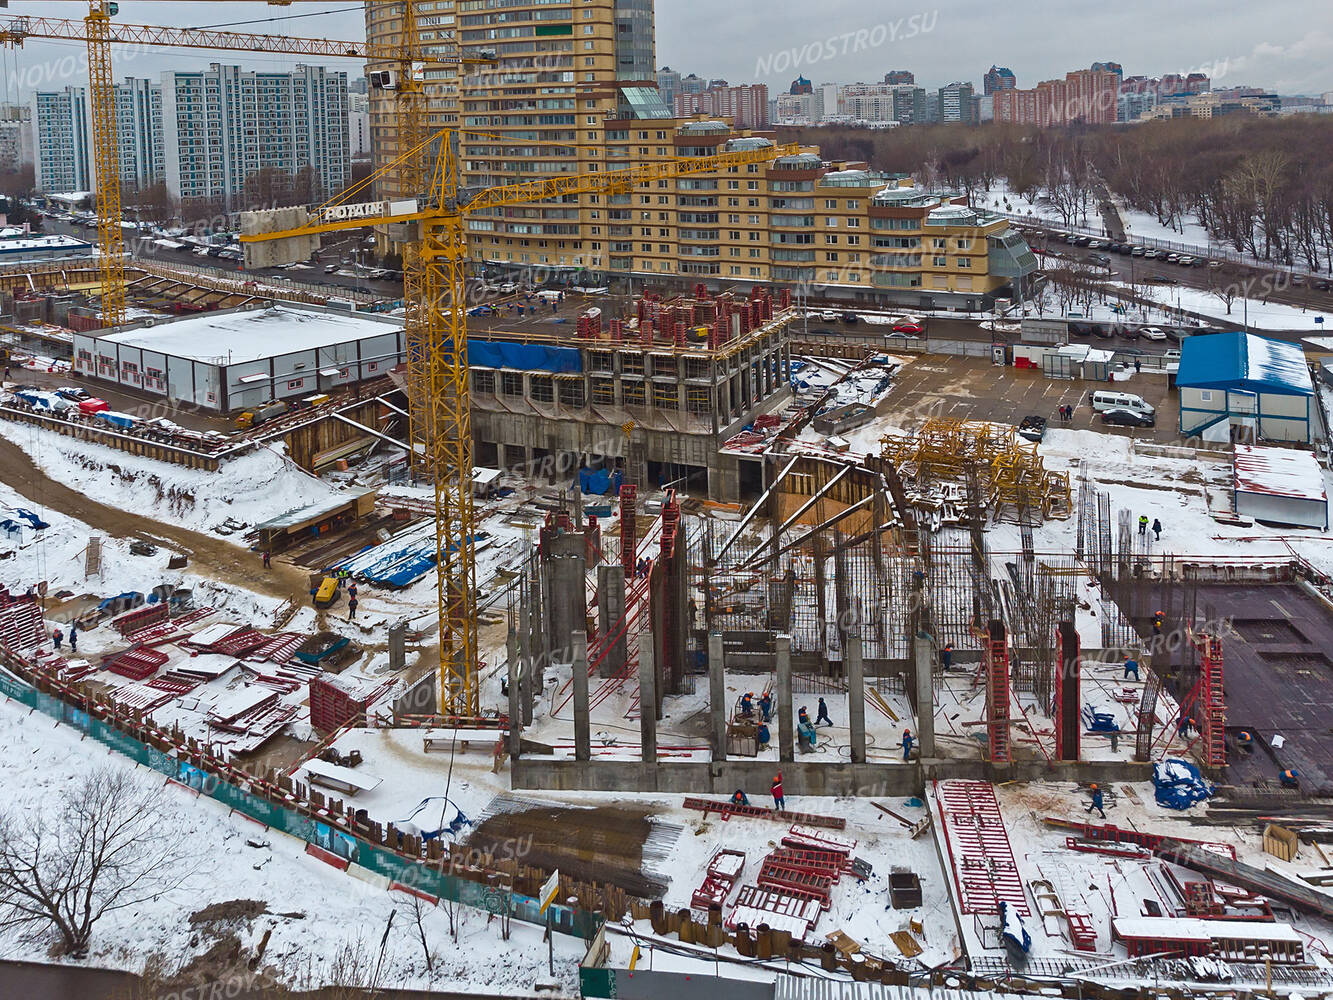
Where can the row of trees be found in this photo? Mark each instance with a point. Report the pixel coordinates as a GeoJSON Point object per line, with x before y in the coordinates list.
{"type": "Point", "coordinates": [1260, 186]}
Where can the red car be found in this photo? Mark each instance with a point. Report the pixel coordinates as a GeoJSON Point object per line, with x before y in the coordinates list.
{"type": "Point", "coordinates": [910, 326]}
{"type": "Point", "coordinates": [93, 405]}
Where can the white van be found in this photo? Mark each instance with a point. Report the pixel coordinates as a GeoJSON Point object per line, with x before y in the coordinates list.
{"type": "Point", "coordinates": [1108, 399]}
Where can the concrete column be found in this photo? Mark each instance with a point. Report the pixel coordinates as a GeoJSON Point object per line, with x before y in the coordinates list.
{"type": "Point", "coordinates": [534, 662]}
{"type": "Point", "coordinates": [578, 642]}
{"type": "Point", "coordinates": [717, 695]}
{"type": "Point", "coordinates": [515, 683]}
{"type": "Point", "coordinates": [610, 612]}
{"type": "Point", "coordinates": [578, 508]}
{"type": "Point", "coordinates": [856, 694]}
{"type": "Point", "coordinates": [925, 696]}
{"type": "Point", "coordinates": [647, 698]}
{"type": "Point", "coordinates": [786, 724]}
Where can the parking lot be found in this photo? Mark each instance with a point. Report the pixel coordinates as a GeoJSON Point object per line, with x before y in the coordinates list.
{"type": "Point", "coordinates": [975, 389]}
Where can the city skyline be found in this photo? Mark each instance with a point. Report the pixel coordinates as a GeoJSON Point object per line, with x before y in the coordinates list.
{"type": "Point", "coordinates": [955, 41]}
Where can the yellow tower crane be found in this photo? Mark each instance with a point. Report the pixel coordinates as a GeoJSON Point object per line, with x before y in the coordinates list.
{"type": "Point", "coordinates": [101, 32]}
{"type": "Point", "coordinates": [443, 364]}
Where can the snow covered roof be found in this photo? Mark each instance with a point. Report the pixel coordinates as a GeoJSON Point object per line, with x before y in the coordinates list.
{"type": "Point", "coordinates": [1243, 361]}
{"type": "Point", "coordinates": [57, 241]}
{"type": "Point", "coordinates": [251, 335]}
{"type": "Point", "coordinates": [1198, 929]}
{"type": "Point", "coordinates": [312, 511]}
{"type": "Point", "coordinates": [1279, 472]}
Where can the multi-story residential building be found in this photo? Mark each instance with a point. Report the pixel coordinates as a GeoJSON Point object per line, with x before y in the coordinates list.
{"type": "Point", "coordinates": [795, 109]}
{"type": "Point", "coordinates": [879, 102]}
{"type": "Point", "coordinates": [62, 135]}
{"type": "Point", "coordinates": [746, 105]}
{"type": "Point", "coordinates": [1110, 67]}
{"type": "Point", "coordinates": [958, 104]}
{"type": "Point", "coordinates": [998, 78]}
{"type": "Point", "coordinates": [1215, 104]}
{"type": "Point", "coordinates": [358, 125]}
{"type": "Point", "coordinates": [668, 85]}
{"type": "Point", "coordinates": [16, 142]}
{"type": "Point", "coordinates": [895, 76]}
{"type": "Point", "coordinates": [693, 84]}
{"type": "Point", "coordinates": [225, 124]}
{"type": "Point", "coordinates": [801, 86]}
{"type": "Point", "coordinates": [141, 143]}
{"type": "Point", "coordinates": [1087, 95]}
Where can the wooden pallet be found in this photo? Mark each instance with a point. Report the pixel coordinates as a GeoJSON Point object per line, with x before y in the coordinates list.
{"type": "Point", "coordinates": [906, 943]}
{"type": "Point", "coordinates": [726, 810]}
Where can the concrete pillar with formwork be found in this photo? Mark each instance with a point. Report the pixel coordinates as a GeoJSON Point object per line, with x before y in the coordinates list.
{"type": "Point", "coordinates": [566, 603]}
{"type": "Point", "coordinates": [856, 693]}
{"type": "Point", "coordinates": [610, 618]}
{"type": "Point", "coordinates": [717, 694]}
{"type": "Point", "coordinates": [786, 729]}
{"type": "Point", "coordinates": [578, 644]}
{"type": "Point", "coordinates": [397, 646]}
{"type": "Point", "coordinates": [515, 689]}
{"type": "Point", "coordinates": [647, 698]}
{"type": "Point", "coordinates": [535, 661]}
{"type": "Point", "coordinates": [923, 650]}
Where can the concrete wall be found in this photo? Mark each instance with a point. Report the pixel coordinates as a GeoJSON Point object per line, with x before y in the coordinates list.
{"type": "Point", "coordinates": [800, 777]}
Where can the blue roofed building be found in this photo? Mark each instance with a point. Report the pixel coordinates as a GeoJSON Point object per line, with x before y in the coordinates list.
{"type": "Point", "coordinates": [1240, 387]}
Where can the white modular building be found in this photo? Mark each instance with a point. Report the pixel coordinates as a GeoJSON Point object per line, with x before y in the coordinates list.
{"type": "Point", "coordinates": [231, 360]}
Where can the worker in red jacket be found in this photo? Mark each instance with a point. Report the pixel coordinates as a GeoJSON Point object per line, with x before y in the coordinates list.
{"type": "Point", "coordinates": [779, 803]}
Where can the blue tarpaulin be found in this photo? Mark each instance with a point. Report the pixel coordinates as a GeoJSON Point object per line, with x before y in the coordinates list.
{"type": "Point", "coordinates": [1179, 784]}
{"type": "Point", "coordinates": [524, 357]}
{"type": "Point", "coordinates": [20, 514]}
{"type": "Point", "coordinates": [594, 481]}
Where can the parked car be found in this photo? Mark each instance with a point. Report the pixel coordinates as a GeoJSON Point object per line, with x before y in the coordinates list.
{"type": "Point", "coordinates": [1102, 400]}
{"type": "Point", "coordinates": [828, 315]}
{"type": "Point", "coordinates": [508, 288]}
{"type": "Point", "coordinates": [1152, 333]}
{"type": "Point", "coordinates": [331, 268]}
{"type": "Point", "coordinates": [1161, 279]}
{"type": "Point", "coordinates": [1128, 418]}
{"type": "Point", "coordinates": [1032, 428]}
{"type": "Point", "coordinates": [73, 393]}
{"type": "Point", "coordinates": [1136, 251]}
{"type": "Point", "coordinates": [1214, 264]}
{"type": "Point", "coordinates": [1171, 357]}
{"type": "Point", "coordinates": [1105, 332]}
{"type": "Point", "coordinates": [1321, 285]}
{"type": "Point", "coordinates": [1173, 258]}
{"type": "Point", "coordinates": [1298, 280]}
{"type": "Point", "coordinates": [1130, 333]}
{"type": "Point", "coordinates": [1185, 260]}
{"type": "Point", "coordinates": [1100, 258]}
{"type": "Point", "coordinates": [851, 319]}
{"type": "Point", "coordinates": [910, 325]}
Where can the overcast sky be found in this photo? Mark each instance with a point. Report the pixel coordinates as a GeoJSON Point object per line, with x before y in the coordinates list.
{"type": "Point", "coordinates": [1281, 45]}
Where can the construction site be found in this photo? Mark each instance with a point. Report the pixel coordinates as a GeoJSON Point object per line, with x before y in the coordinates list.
{"type": "Point", "coordinates": [634, 645]}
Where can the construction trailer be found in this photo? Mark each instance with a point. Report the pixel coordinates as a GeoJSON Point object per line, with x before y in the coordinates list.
{"type": "Point", "coordinates": [319, 518]}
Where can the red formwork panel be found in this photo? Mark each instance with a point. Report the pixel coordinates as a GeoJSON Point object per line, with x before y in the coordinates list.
{"type": "Point", "coordinates": [982, 859]}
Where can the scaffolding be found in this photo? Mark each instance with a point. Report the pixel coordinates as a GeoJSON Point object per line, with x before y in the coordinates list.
{"type": "Point", "coordinates": [938, 462]}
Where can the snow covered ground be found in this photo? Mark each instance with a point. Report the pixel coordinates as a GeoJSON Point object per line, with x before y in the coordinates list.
{"type": "Point", "coordinates": [1258, 314]}
{"type": "Point", "coordinates": [253, 487]}
{"type": "Point", "coordinates": [314, 911]}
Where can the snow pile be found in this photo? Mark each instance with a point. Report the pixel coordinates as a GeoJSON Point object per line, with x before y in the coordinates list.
{"type": "Point", "coordinates": [250, 488]}
{"type": "Point", "coordinates": [1179, 784]}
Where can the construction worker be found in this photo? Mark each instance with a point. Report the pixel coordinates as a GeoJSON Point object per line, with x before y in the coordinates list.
{"type": "Point", "coordinates": [821, 717]}
{"type": "Point", "coordinates": [1245, 739]}
{"type": "Point", "coordinates": [74, 638]}
{"type": "Point", "coordinates": [763, 736]}
{"type": "Point", "coordinates": [351, 609]}
{"type": "Point", "coordinates": [1291, 778]}
{"type": "Point", "coordinates": [351, 591]}
{"type": "Point", "coordinates": [1184, 726]}
{"type": "Point", "coordinates": [1158, 622]}
{"type": "Point", "coordinates": [779, 803]}
{"type": "Point", "coordinates": [946, 655]}
{"type": "Point", "coordinates": [1143, 524]}
{"type": "Point", "coordinates": [1131, 667]}
{"type": "Point", "coordinates": [739, 798]}
{"type": "Point", "coordinates": [766, 706]}
{"type": "Point", "coordinates": [1097, 802]}
{"type": "Point", "coordinates": [747, 706]}
{"type": "Point", "coordinates": [907, 742]}
{"type": "Point", "coordinates": [58, 637]}
{"type": "Point", "coordinates": [803, 717]}
{"type": "Point", "coordinates": [267, 557]}
{"type": "Point", "coordinates": [1157, 527]}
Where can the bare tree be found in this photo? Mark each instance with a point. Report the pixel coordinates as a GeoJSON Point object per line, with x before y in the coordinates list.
{"type": "Point", "coordinates": [1226, 283]}
{"type": "Point", "coordinates": [105, 847]}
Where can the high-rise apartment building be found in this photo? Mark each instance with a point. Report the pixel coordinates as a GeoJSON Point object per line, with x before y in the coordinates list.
{"type": "Point", "coordinates": [668, 85]}
{"type": "Point", "coordinates": [1090, 96]}
{"type": "Point", "coordinates": [958, 104]}
{"type": "Point", "coordinates": [225, 124]}
{"type": "Point", "coordinates": [141, 144]}
{"type": "Point", "coordinates": [16, 142]}
{"type": "Point", "coordinates": [998, 78]}
{"type": "Point", "coordinates": [746, 105]}
{"type": "Point", "coordinates": [63, 138]}
{"type": "Point", "coordinates": [358, 125]}
{"type": "Point", "coordinates": [898, 76]}
{"type": "Point", "coordinates": [880, 102]}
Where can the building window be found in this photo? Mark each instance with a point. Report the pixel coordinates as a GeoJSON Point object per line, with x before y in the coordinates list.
{"type": "Point", "coordinates": [296, 383]}
{"type": "Point", "coordinates": [511, 384]}
{"type": "Point", "coordinates": [483, 383]}
{"type": "Point", "coordinates": [939, 261]}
